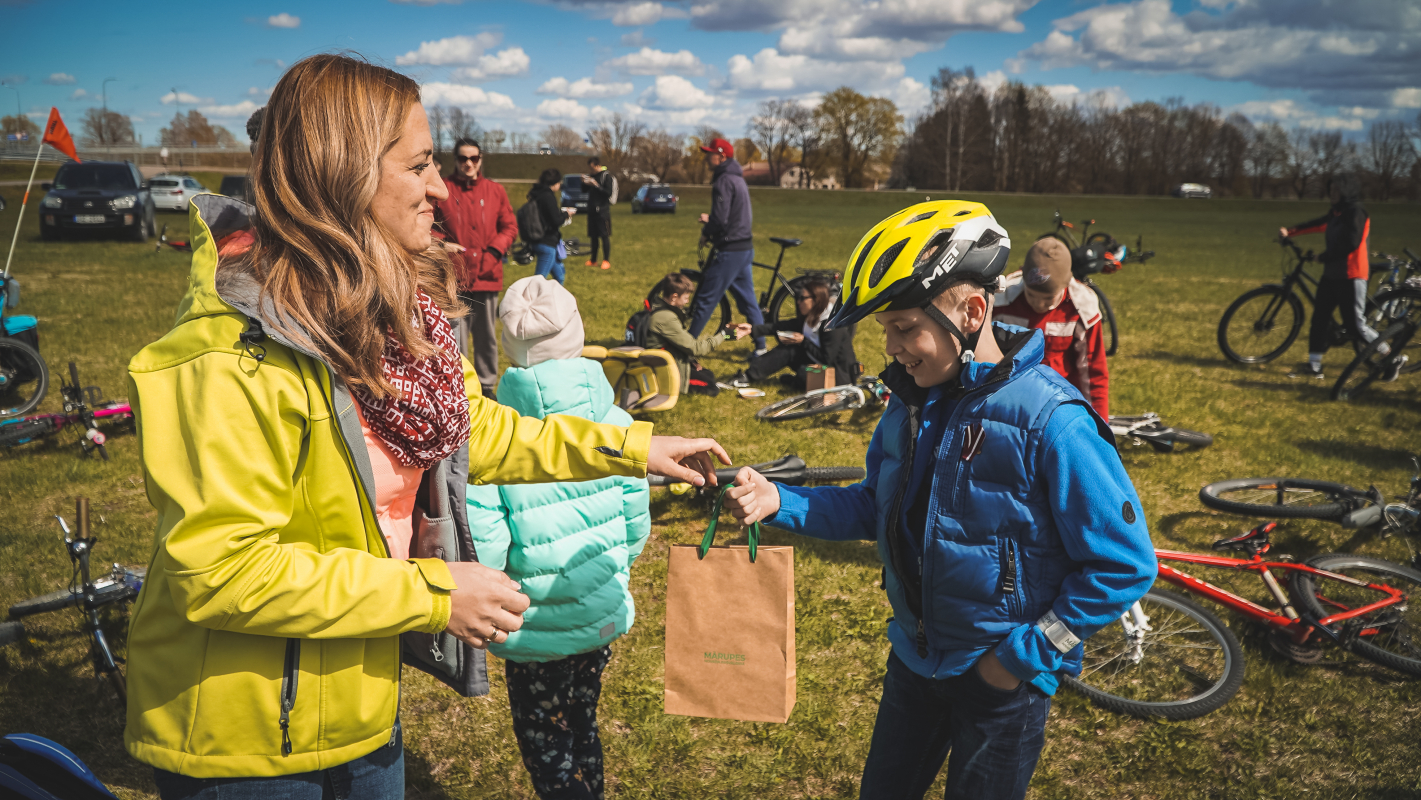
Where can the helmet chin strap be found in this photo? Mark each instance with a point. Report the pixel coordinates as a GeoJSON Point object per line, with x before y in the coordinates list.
{"type": "Point", "coordinates": [967, 341]}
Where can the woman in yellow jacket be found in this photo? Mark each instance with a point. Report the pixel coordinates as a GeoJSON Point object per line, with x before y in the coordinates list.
{"type": "Point", "coordinates": [286, 423]}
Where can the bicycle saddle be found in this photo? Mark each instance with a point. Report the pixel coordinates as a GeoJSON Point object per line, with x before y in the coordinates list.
{"type": "Point", "coordinates": [786, 242]}
{"type": "Point", "coordinates": [1256, 539]}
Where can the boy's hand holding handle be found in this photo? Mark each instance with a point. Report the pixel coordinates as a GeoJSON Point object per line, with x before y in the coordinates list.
{"type": "Point", "coordinates": [753, 497]}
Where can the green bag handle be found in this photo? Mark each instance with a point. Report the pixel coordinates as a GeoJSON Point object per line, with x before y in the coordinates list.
{"type": "Point", "coordinates": [709, 538]}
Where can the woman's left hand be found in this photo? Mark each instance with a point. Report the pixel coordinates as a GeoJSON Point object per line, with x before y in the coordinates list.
{"type": "Point", "coordinates": [685, 460]}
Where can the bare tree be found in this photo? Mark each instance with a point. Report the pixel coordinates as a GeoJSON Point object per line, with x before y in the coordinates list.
{"type": "Point", "coordinates": [771, 132]}
{"type": "Point", "coordinates": [615, 140]}
{"type": "Point", "coordinates": [494, 139]}
{"type": "Point", "coordinates": [1267, 154]}
{"type": "Point", "coordinates": [861, 130]}
{"type": "Point", "coordinates": [659, 153]}
{"type": "Point", "coordinates": [807, 138]}
{"type": "Point", "coordinates": [462, 125]}
{"type": "Point", "coordinates": [693, 163]}
{"type": "Point", "coordinates": [438, 123]}
{"type": "Point", "coordinates": [194, 129]}
{"type": "Point", "coordinates": [1299, 165]}
{"type": "Point", "coordinates": [519, 142]}
{"type": "Point", "coordinates": [1389, 153]}
{"type": "Point", "coordinates": [17, 124]}
{"type": "Point", "coordinates": [101, 129]}
{"type": "Point", "coordinates": [562, 139]}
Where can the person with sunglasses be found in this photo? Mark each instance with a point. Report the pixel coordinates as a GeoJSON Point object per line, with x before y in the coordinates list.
{"type": "Point", "coordinates": [477, 225]}
{"type": "Point", "coordinates": [802, 341]}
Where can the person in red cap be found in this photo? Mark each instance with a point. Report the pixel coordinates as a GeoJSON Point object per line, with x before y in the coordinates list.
{"type": "Point", "coordinates": [1044, 295]}
{"type": "Point", "coordinates": [727, 229]}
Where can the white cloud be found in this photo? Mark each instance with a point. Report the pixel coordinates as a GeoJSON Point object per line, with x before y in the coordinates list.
{"type": "Point", "coordinates": [638, 14]}
{"type": "Point", "coordinates": [458, 94]}
{"type": "Point", "coordinates": [992, 80]}
{"type": "Point", "coordinates": [563, 108]}
{"type": "Point", "coordinates": [675, 92]}
{"type": "Point", "coordinates": [60, 79]}
{"type": "Point", "coordinates": [1331, 123]}
{"type": "Point", "coordinates": [1112, 96]}
{"type": "Point", "coordinates": [79, 94]}
{"type": "Point", "coordinates": [505, 64]}
{"type": "Point", "coordinates": [1409, 97]}
{"type": "Point", "coordinates": [453, 50]}
{"type": "Point", "coordinates": [584, 88]}
{"type": "Point", "coordinates": [647, 61]}
{"type": "Point", "coordinates": [257, 91]}
{"type": "Point", "coordinates": [184, 98]}
{"type": "Point", "coordinates": [241, 110]}
{"type": "Point", "coordinates": [910, 96]}
{"type": "Point", "coordinates": [1361, 112]}
{"type": "Point", "coordinates": [1295, 113]}
{"type": "Point", "coordinates": [772, 71]}
{"type": "Point", "coordinates": [283, 20]}
{"type": "Point", "coordinates": [637, 39]}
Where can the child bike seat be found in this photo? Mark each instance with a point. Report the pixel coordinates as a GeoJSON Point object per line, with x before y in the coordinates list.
{"type": "Point", "coordinates": [642, 379]}
{"type": "Point", "coordinates": [1253, 540]}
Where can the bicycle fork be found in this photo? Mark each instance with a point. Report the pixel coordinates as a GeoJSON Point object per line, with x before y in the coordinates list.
{"type": "Point", "coordinates": [1136, 624]}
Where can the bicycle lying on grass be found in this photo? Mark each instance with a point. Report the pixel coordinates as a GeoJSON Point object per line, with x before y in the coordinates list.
{"type": "Point", "coordinates": [1148, 428]}
{"type": "Point", "coordinates": [1395, 352]}
{"type": "Point", "coordinates": [119, 586]}
{"type": "Point", "coordinates": [1097, 252]}
{"type": "Point", "coordinates": [82, 406]}
{"type": "Point", "coordinates": [1169, 657]}
{"type": "Point", "coordinates": [849, 397]}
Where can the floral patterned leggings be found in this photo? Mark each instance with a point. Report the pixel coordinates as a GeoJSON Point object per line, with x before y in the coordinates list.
{"type": "Point", "coordinates": [555, 721]}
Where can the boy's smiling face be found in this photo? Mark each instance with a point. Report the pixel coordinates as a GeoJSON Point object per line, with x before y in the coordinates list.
{"type": "Point", "coordinates": [928, 352]}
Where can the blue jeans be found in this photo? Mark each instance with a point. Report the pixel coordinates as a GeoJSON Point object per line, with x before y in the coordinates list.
{"type": "Point", "coordinates": [995, 737]}
{"type": "Point", "coordinates": [549, 263]}
{"type": "Point", "coordinates": [378, 776]}
{"type": "Point", "coordinates": [733, 272]}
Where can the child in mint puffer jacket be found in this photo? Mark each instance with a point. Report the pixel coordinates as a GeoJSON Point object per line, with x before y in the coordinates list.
{"type": "Point", "coordinates": [570, 546]}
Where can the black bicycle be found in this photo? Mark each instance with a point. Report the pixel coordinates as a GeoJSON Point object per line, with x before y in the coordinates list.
{"type": "Point", "coordinates": [1100, 253]}
{"type": "Point", "coordinates": [119, 586]}
{"type": "Point", "coordinates": [772, 300]}
{"type": "Point", "coordinates": [1148, 428]}
{"type": "Point", "coordinates": [1263, 323]}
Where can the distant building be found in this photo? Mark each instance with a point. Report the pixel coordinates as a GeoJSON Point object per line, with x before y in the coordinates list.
{"type": "Point", "coordinates": [791, 180]}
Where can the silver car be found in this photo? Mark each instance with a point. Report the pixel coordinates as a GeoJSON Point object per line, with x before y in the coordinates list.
{"type": "Point", "coordinates": [172, 192]}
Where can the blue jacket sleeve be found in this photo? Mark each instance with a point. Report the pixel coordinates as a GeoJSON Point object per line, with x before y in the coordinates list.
{"type": "Point", "coordinates": [836, 513]}
{"type": "Point", "coordinates": [1089, 492]}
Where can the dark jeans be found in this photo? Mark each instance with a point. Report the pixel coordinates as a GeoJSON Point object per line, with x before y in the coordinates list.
{"type": "Point", "coordinates": [794, 356]}
{"type": "Point", "coordinates": [606, 247]}
{"type": "Point", "coordinates": [730, 271]}
{"type": "Point", "coordinates": [1350, 297]}
{"type": "Point", "coordinates": [478, 327]}
{"type": "Point", "coordinates": [378, 776]}
{"type": "Point", "coordinates": [554, 708]}
{"type": "Point", "coordinates": [995, 737]}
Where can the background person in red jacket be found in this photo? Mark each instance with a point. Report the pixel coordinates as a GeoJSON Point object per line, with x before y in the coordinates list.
{"type": "Point", "coordinates": [1044, 295]}
{"type": "Point", "coordinates": [477, 223]}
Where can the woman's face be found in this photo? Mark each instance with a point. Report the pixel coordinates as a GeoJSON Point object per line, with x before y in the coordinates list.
{"type": "Point", "coordinates": [409, 184]}
{"type": "Point", "coordinates": [804, 302]}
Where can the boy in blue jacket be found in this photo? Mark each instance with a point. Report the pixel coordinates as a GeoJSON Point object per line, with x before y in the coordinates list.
{"type": "Point", "coordinates": [1008, 528]}
{"type": "Point", "coordinates": [570, 546]}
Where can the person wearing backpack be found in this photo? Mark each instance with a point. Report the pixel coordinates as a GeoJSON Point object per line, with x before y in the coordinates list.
{"type": "Point", "coordinates": [666, 329]}
{"type": "Point", "coordinates": [601, 188]}
{"type": "Point", "coordinates": [569, 545]}
{"type": "Point", "coordinates": [540, 222]}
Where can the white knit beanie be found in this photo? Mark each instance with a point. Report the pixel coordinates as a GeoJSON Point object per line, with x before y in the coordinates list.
{"type": "Point", "coordinates": [540, 322]}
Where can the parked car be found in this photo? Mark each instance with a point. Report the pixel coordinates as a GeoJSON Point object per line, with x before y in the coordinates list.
{"type": "Point", "coordinates": [172, 191]}
{"type": "Point", "coordinates": [1193, 190]}
{"type": "Point", "coordinates": [235, 186]}
{"type": "Point", "coordinates": [654, 197]}
{"type": "Point", "coordinates": [546, 151]}
{"type": "Point", "coordinates": [97, 196]}
{"type": "Point", "coordinates": [573, 195]}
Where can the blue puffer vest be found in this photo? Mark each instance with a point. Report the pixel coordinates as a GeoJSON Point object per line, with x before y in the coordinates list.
{"type": "Point", "coordinates": [570, 545]}
{"type": "Point", "coordinates": [992, 557]}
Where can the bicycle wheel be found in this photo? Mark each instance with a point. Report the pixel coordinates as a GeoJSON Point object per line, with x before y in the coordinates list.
{"type": "Point", "coordinates": [11, 632]}
{"type": "Point", "coordinates": [1112, 334]}
{"type": "Point", "coordinates": [1371, 366]}
{"type": "Point", "coordinates": [833, 474]}
{"type": "Point", "coordinates": [1390, 636]}
{"type": "Point", "coordinates": [16, 433]}
{"type": "Point", "coordinates": [1187, 664]}
{"type": "Point", "coordinates": [823, 401]}
{"type": "Point", "coordinates": [1186, 436]}
{"type": "Point", "coordinates": [1292, 498]}
{"type": "Point", "coordinates": [24, 378]}
{"type": "Point", "coordinates": [1261, 325]}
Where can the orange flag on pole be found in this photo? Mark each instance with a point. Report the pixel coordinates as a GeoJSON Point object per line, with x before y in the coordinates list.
{"type": "Point", "coordinates": [57, 135]}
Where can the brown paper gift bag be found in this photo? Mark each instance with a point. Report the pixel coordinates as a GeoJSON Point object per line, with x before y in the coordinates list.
{"type": "Point", "coordinates": [730, 630]}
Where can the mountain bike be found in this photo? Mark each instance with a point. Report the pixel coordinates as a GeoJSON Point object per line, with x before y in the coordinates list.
{"type": "Point", "coordinates": [177, 244]}
{"type": "Point", "coordinates": [780, 290]}
{"type": "Point", "coordinates": [1102, 254]}
{"type": "Point", "coordinates": [1263, 323]}
{"type": "Point", "coordinates": [789, 470]}
{"type": "Point", "coordinates": [24, 377]}
{"type": "Point", "coordinates": [848, 397]}
{"type": "Point", "coordinates": [82, 406]}
{"type": "Point", "coordinates": [1148, 428]}
{"type": "Point", "coordinates": [1395, 352]}
{"type": "Point", "coordinates": [1169, 657]}
{"type": "Point", "coordinates": [119, 586]}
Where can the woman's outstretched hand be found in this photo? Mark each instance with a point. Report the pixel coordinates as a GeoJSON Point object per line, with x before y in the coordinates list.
{"type": "Point", "coordinates": [685, 460]}
{"type": "Point", "coordinates": [486, 607]}
{"type": "Point", "coordinates": [753, 497]}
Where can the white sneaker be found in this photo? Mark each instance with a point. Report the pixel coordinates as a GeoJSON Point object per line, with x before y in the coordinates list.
{"type": "Point", "coordinates": [1393, 370]}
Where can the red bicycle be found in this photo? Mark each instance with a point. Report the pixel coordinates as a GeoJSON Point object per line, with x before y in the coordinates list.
{"type": "Point", "coordinates": [1169, 657]}
{"type": "Point", "coordinates": [82, 406]}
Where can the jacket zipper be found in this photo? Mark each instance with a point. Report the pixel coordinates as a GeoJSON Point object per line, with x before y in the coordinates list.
{"type": "Point", "coordinates": [289, 676]}
{"type": "Point", "coordinates": [1009, 577]}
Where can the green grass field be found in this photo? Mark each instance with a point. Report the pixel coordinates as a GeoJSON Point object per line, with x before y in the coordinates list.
{"type": "Point", "coordinates": [1340, 729]}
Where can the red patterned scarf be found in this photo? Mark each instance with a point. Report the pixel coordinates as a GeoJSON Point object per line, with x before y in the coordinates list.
{"type": "Point", "coordinates": [428, 420]}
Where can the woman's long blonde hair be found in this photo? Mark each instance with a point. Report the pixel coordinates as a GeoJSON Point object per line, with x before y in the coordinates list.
{"type": "Point", "coordinates": [320, 255]}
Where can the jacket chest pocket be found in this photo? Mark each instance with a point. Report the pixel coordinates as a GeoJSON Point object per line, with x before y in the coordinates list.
{"type": "Point", "coordinates": [1012, 583]}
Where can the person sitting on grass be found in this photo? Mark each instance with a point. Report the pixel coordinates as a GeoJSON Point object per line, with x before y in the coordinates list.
{"type": "Point", "coordinates": [1008, 527]}
{"type": "Point", "coordinates": [1044, 295]}
{"type": "Point", "coordinates": [803, 341]}
{"type": "Point", "coordinates": [570, 546]}
{"type": "Point", "coordinates": [666, 330]}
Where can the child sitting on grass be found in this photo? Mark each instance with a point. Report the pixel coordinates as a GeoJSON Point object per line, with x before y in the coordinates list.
{"type": "Point", "coordinates": [667, 330]}
{"type": "Point", "coordinates": [569, 545]}
{"type": "Point", "coordinates": [1008, 528]}
{"type": "Point", "coordinates": [1044, 295]}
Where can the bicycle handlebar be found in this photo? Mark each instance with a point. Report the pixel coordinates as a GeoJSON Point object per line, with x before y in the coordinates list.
{"type": "Point", "coordinates": [789, 470]}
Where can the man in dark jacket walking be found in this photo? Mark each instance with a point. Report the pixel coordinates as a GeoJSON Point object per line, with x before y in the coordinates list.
{"type": "Point", "coordinates": [727, 229]}
{"type": "Point", "coordinates": [478, 225]}
{"type": "Point", "coordinates": [598, 184]}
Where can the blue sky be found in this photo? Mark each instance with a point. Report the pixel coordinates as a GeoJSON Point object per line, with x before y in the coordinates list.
{"type": "Point", "coordinates": [520, 66]}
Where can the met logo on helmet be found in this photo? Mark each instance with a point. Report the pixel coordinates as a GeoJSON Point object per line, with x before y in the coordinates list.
{"type": "Point", "coordinates": [945, 265]}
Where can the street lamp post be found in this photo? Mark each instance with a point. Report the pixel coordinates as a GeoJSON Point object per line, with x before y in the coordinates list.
{"type": "Point", "coordinates": [104, 126]}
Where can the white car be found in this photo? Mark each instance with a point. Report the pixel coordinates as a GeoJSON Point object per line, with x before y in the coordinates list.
{"type": "Point", "coordinates": [1193, 190]}
{"type": "Point", "coordinates": [172, 192]}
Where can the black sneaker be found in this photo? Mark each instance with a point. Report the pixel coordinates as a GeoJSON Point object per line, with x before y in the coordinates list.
{"type": "Point", "coordinates": [1393, 370]}
{"type": "Point", "coordinates": [740, 380]}
{"type": "Point", "coordinates": [1306, 370]}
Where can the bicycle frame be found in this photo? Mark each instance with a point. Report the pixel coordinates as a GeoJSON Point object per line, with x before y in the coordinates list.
{"type": "Point", "coordinates": [1287, 618]}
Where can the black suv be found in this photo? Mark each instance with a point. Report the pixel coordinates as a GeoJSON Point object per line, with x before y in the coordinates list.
{"type": "Point", "coordinates": [97, 196]}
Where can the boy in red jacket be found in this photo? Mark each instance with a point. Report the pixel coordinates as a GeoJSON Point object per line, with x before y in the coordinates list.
{"type": "Point", "coordinates": [1044, 295]}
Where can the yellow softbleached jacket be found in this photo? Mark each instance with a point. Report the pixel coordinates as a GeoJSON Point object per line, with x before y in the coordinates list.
{"type": "Point", "coordinates": [266, 639]}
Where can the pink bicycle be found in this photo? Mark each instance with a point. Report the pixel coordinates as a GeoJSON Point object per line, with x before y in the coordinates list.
{"type": "Point", "coordinates": [82, 406]}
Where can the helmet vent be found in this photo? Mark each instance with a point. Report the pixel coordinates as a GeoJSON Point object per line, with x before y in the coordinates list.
{"type": "Point", "coordinates": [989, 238]}
{"type": "Point", "coordinates": [964, 212]}
{"type": "Point", "coordinates": [921, 217]}
{"type": "Point", "coordinates": [863, 256]}
{"type": "Point", "coordinates": [885, 261]}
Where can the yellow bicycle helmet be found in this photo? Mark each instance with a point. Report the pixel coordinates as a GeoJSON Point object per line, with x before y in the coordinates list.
{"type": "Point", "coordinates": [911, 257]}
